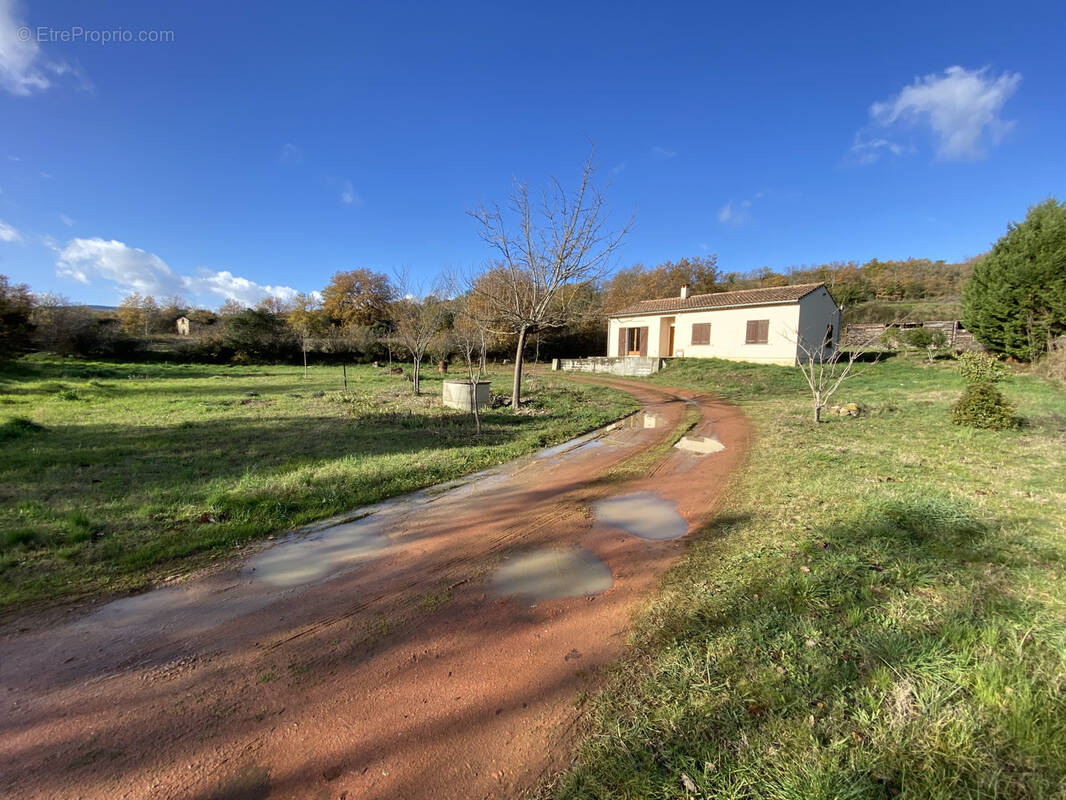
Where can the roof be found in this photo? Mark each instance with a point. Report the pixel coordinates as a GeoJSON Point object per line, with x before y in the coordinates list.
{"type": "Point", "coordinates": [773, 295]}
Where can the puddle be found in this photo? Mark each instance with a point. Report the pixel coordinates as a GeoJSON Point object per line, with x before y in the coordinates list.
{"type": "Point", "coordinates": [642, 514]}
{"type": "Point", "coordinates": [700, 444]}
{"type": "Point", "coordinates": [644, 420]}
{"type": "Point", "coordinates": [569, 448]}
{"type": "Point", "coordinates": [552, 573]}
{"type": "Point", "coordinates": [301, 559]}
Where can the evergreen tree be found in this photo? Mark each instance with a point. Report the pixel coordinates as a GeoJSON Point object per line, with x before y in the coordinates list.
{"type": "Point", "coordinates": [1015, 301]}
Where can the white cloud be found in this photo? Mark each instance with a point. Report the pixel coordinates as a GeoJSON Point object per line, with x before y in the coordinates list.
{"type": "Point", "coordinates": [661, 153]}
{"type": "Point", "coordinates": [66, 220]}
{"type": "Point", "coordinates": [231, 287]}
{"type": "Point", "coordinates": [348, 194]}
{"type": "Point", "coordinates": [961, 107]}
{"type": "Point", "coordinates": [735, 213]}
{"type": "Point", "coordinates": [8, 233]}
{"type": "Point", "coordinates": [134, 270]}
{"type": "Point", "coordinates": [131, 268]}
{"type": "Point", "coordinates": [867, 151]}
{"type": "Point", "coordinates": [23, 67]}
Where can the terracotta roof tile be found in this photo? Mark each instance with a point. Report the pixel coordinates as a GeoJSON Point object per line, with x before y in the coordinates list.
{"type": "Point", "coordinates": [773, 295]}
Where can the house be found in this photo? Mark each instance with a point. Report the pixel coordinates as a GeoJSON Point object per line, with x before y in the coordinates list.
{"type": "Point", "coordinates": [775, 325]}
{"type": "Point", "coordinates": [183, 326]}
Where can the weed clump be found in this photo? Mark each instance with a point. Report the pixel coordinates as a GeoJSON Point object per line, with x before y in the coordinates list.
{"type": "Point", "coordinates": [982, 405]}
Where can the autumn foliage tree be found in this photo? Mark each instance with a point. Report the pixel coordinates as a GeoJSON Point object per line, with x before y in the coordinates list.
{"type": "Point", "coordinates": [357, 297]}
{"type": "Point", "coordinates": [136, 313]}
{"type": "Point", "coordinates": [633, 284]}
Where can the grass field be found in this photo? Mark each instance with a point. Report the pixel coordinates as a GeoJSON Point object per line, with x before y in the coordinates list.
{"type": "Point", "coordinates": [114, 474]}
{"type": "Point", "coordinates": [878, 609]}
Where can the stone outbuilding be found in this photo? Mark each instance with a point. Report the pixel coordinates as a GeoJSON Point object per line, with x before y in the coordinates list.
{"type": "Point", "coordinates": [182, 324]}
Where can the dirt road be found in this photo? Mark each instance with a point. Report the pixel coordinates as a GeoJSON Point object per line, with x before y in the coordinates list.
{"type": "Point", "coordinates": [431, 649]}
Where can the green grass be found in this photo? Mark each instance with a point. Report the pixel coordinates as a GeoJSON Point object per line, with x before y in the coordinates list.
{"type": "Point", "coordinates": [112, 474]}
{"type": "Point", "coordinates": [878, 609]}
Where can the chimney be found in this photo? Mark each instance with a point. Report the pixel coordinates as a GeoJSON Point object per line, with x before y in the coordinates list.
{"type": "Point", "coordinates": [684, 292]}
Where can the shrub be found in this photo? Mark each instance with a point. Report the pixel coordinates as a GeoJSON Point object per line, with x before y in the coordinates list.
{"type": "Point", "coordinates": [918, 338]}
{"type": "Point", "coordinates": [980, 367]}
{"type": "Point", "coordinates": [982, 405]}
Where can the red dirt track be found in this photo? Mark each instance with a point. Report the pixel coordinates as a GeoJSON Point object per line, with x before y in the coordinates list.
{"type": "Point", "coordinates": [402, 675]}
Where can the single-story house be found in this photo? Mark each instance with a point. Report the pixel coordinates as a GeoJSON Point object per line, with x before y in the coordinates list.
{"type": "Point", "coordinates": [775, 325]}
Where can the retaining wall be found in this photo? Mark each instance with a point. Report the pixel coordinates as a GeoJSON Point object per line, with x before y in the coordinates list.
{"type": "Point", "coordinates": [625, 365]}
{"type": "Point", "coordinates": [869, 333]}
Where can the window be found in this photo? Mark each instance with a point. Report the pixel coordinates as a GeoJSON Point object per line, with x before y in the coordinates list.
{"type": "Point", "coordinates": [701, 333]}
{"type": "Point", "coordinates": [632, 340]}
{"type": "Point", "coordinates": [758, 331]}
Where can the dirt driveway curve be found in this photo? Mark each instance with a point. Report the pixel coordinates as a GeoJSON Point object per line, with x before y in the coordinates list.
{"type": "Point", "coordinates": [423, 651]}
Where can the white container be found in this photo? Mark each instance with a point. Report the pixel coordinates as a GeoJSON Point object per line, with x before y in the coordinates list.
{"type": "Point", "coordinates": [459, 394]}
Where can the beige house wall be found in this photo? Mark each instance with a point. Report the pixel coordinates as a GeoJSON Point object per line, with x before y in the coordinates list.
{"type": "Point", "coordinates": [806, 320]}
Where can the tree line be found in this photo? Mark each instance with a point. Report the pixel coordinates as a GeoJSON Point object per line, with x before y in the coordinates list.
{"type": "Point", "coordinates": [545, 290]}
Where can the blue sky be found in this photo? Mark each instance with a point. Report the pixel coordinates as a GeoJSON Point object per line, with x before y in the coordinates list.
{"type": "Point", "coordinates": [266, 145]}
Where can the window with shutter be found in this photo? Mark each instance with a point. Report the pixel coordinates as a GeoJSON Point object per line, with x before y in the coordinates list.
{"type": "Point", "coordinates": [758, 331]}
{"type": "Point", "coordinates": [701, 333]}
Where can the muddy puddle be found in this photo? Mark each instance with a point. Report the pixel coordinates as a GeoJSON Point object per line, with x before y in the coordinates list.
{"type": "Point", "coordinates": [552, 573]}
{"type": "Point", "coordinates": [302, 559]}
{"type": "Point", "coordinates": [646, 419]}
{"type": "Point", "coordinates": [642, 514]}
{"type": "Point", "coordinates": [571, 448]}
{"type": "Point", "coordinates": [701, 445]}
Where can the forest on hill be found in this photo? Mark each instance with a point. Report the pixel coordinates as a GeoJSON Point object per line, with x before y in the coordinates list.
{"type": "Point", "coordinates": [354, 316]}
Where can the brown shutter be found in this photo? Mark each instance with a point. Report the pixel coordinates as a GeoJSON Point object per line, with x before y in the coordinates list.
{"type": "Point", "coordinates": [701, 333]}
{"type": "Point", "coordinates": [644, 341]}
{"type": "Point", "coordinates": [758, 332]}
{"type": "Point", "coordinates": [621, 341]}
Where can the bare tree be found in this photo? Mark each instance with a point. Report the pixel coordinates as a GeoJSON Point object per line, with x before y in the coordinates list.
{"type": "Point", "coordinates": [470, 335]}
{"type": "Point", "coordinates": [826, 371]}
{"type": "Point", "coordinates": [416, 321]}
{"type": "Point", "coordinates": [545, 249]}
{"type": "Point", "coordinates": [307, 318]}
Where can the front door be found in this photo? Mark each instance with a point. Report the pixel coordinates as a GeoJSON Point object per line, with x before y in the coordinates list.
{"type": "Point", "coordinates": [670, 350]}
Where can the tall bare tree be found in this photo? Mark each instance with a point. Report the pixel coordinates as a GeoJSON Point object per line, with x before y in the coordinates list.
{"type": "Point", "coordinates": [545, 249]}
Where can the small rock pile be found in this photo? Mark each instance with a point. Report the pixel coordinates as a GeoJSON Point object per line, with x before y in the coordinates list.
{"type": "Point", "coordinates": [846, 410]}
